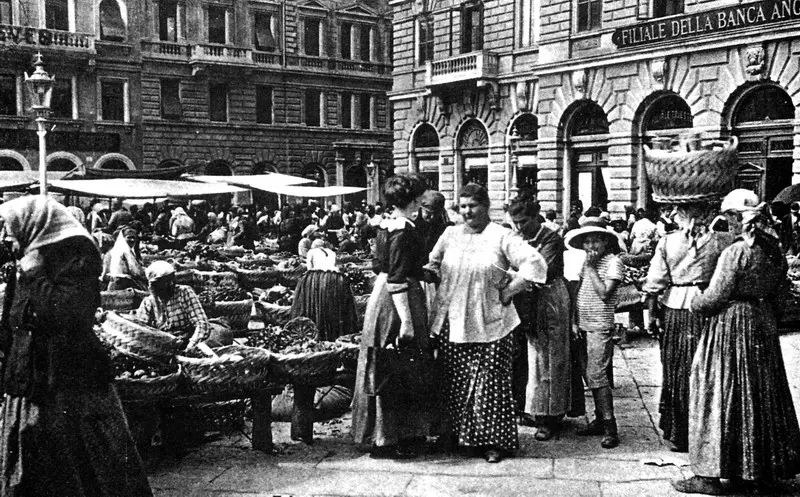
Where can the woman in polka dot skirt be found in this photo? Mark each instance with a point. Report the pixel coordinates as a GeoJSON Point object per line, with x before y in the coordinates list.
{"type": "Point", "coordinates": [473, 318]}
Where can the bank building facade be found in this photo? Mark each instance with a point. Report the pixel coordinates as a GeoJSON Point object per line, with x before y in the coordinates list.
{"type": "Point", "coordinates": [559, 97]}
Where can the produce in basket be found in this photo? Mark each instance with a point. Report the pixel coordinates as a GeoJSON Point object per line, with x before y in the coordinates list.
{"type": "Point", "coordinates": [277, 338]}
{"type": "Point", "coordinates": [137, 339]}
{"type": "Point", "coordinates": [126, 367]}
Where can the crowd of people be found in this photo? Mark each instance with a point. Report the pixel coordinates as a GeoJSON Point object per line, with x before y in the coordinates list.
{"type": "Point", "coordinates": [472, 327]}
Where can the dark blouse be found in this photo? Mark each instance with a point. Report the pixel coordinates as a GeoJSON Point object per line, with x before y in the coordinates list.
{"type": "Point", "coordinates": [399, 251]}
{"type": "Point", "coordinates": [58, 301]}
{"type": "Point", "coordinates": [549, 244]}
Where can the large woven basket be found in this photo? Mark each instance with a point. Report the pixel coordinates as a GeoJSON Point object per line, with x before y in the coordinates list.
{"type": "Point", "coordinates": [224, 374]}
{"type": "Point", "coordinates": [259, 278]}
{"type": "Point", "coordinates": [290, 276]}
{"type": "Point", "coordinates": [275, 314]}
{"type": "Point", "coordinates": [237, 312]}
{"type": "Point", "coordinates": [628, 298]}
{"type": "Point", "coordinates": [216, 279]}
{"type": "Point", "coordinates": [145, 388]}
{"type": "Point", "coordinates": [314, 368]}
{"type": "Point", "coordinates": [122, 300]}
{"type": "Point", "coordinates": [137, 340]}
{"type": "Point", "coordinates": [684, 175]}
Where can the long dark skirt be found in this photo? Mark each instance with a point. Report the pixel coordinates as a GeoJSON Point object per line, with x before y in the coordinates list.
{"type": "Point", "coordinates": [682, 331]}
{"type": "Point", "coordinates": [325, 297]}
{"type": "Point", "coordinates": [384, 419]}
{"type": "Point", "coordinates": [73, 443]}
{"type": "Point", "coordinates": [743, 420]}
{"type": "Point", "coordinates": [478, 392]}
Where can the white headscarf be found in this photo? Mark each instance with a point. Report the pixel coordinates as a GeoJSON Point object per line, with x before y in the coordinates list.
{"type": "Point", "coordinates": [123, 261]}
{"type": "Point", "coordinates": [35, 221]}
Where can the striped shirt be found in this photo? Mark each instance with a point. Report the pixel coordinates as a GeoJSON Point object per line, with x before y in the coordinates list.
{"type": "Point", "coordinates": [594, 314]}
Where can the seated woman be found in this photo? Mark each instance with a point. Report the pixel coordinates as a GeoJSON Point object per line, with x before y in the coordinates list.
{"type": "Point", "coordinates": [123, 263]}
{"type": "Point", "coordinates": [323, 294]}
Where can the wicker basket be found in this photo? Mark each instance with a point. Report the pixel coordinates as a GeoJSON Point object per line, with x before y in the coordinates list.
{"type": "Point", "coordinates": [628, 298]}
{"type": "Point", "coordinates": [122, 300]}
{"type": "Point", "coordinates": [259, 278]}
{"type": "Point", "coordinates": [226, 374]}
{"type": "Point", "coordinates": [143, 388]}
{"type": "Point", "coordinates": [275, 314]}
{"type": "Point", "coordinates": [137, 340]}
{"type": "Point", "coordinates": [689, 175]}
{"type": "Point", "coordinates": [314, 369]}
{"type": "Point", "coordinates": [216, 279]}
{"type": "Point", "coordinates": [290, 276]}
{"type": "Point", "coordinates": [237, 312]}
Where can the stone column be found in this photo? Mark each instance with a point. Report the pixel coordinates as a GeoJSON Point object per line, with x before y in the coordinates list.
{"type": "Point", "coordinates": [339, 175]}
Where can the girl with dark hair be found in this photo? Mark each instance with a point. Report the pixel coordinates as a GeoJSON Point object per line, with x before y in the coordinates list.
{"type": "Point", "coordinates": [386, 416]}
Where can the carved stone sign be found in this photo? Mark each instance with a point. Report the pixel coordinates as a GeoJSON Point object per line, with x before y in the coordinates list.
{"type": "Point", "coordinates": [706, 23]}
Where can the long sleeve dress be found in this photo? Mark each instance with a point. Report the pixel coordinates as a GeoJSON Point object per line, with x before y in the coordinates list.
{"type": "Point", "coordinates": [681, 266]}
{"type": "Point", "coordinates": [743, 422]}
{"type": "Point", "coordinates": [387, 418]}
{"type": "Point", "coordinates": [547, 326]}
{"type": "Point", "coordinates": [475, 329]}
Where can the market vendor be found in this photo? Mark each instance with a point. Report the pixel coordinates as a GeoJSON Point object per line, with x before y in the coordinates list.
{"type": "Point", "coordinates": [122, 265]}
{"type": "Point", "coordinates": [176, 309]}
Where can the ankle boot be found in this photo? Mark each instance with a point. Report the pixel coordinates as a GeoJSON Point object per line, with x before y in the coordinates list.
{"type": "Point", "coordinates": [595, 427]}
{"type": "Point", "coordinates": [610, 437]}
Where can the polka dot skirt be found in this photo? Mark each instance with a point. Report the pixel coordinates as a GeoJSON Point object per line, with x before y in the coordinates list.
{"type": "Point", "coordinates": [478, 393]}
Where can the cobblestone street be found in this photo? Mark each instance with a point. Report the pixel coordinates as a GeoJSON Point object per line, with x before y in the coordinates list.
{"type": "Point", "coordinates": [567, 465]}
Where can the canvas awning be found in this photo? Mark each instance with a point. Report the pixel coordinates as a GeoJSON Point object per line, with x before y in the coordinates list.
{"type": "Point", "coordinates": [20, 180]}
{"type": "Point", "coordinates": [258, 181]}
{"type": "Point", "coordinates": [142, 188]}
{"type": "Point", "coordinates": [316, 191]}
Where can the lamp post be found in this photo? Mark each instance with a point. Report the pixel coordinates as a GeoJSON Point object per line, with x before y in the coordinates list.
{"type": "Point", "coordinates": [40, 85]}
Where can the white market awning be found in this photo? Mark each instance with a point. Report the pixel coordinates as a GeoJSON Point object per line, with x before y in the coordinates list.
{"type": "Point", "coordinates": [143, 188]}
{"type": "Point", "coordinates": [258, 181]}
{"type": "Point", "coordinates": [19, 180]}
{"type": "Point", "coordinates": [316, 191]}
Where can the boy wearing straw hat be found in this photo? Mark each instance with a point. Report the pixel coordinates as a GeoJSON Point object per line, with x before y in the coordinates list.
{"type": "Point", "coordinates": [597, 299]}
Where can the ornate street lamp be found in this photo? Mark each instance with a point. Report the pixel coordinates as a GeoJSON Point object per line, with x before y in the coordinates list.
{"type": "Point", "coordinates": [40, 85]}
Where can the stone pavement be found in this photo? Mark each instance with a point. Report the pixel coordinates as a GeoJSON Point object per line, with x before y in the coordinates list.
{"type": "Point", "coordinates": [567, 465]}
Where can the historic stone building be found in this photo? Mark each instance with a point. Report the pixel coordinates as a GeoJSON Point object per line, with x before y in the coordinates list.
{"type": "Point", "coordinates": [561, 96]}
{"type": "Point", "coordinates": [230, 86]}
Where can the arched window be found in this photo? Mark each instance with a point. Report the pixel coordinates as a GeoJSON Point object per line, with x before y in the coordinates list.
{"type": "Point", "coordinates": [10, 164]}
{"type": "Point", "coordinates": [314, 172]}
{"type": "Point", "coordinates": [766, 103]}
{"type": "Point", "coordinates": [425, 154]}
{"type": "Point", "coordinates": [588, 119]}
{"type": "Point", "coordinates": [112, 25]}
{"type": "Point", "coordinates": [264, 167]}
{"type": "Point", "coordinates": [668, 112]}
{"type": "Point", "coordinates": [473, 149]}
{"type": "Point", "coordinates": [588, 156]}
{"type": "Point", "coordinates": [525, 128]}
{"type": "Point", "coordinates": [115, 164]}
{"type": "Point", "coordinates": [219, 168]}
{"type": "Point", "coordinates": [169, 163]}
{"type": "Point", "coordinates": [61, 164]}
{"type": "Point", "coordinates": [356, 175]}
{"type": "Point", "coordinates": [524, 134]}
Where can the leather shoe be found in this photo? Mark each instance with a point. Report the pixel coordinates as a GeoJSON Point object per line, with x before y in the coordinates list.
{"type": "Point", "coordinates": [543, 433]}
{"type": "Point", "coordinates": [493, 456]}
{"type": "Point", "coordinates": [699, 485]}
{"type": "Point", "coordinates": [525, 419]}
{"type": "Point", "coordinates": [592, 429]}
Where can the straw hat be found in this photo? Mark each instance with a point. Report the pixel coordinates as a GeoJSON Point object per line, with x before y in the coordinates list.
{"type": "Point", "coordinates": [592, 225]}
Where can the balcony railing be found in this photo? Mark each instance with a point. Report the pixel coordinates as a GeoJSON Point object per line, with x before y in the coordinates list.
{"type": "Point", "coordinates": [40, 38]}
{"type": "Point", "coordinates": [165, 50]}
{"type": "Point", "coordinates": [222, 54]}
{"type": "Point", "coordinates": [362, 66]}
{"type": "Point", "coordinates": [465, 67]}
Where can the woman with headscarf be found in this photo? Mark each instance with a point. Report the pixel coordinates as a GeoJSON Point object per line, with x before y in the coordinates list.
{"type": "Point", "coordinates": [124, 268]}
{"type": "Point", "coordinates": [743, 423]}
{"type": "Point", "coordinates": [62, 424]}
{"type": "Point", "coordinates": [473, 318]}
{"type": "Point", "coordinates": [323, 294]}
{"type": "Point", "coordinates": [181, 226]}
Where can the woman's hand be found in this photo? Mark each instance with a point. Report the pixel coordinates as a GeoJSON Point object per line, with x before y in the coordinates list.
{"type": "Point", "coordinates": [406, 336]}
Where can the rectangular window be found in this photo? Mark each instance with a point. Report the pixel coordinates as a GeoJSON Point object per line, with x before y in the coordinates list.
{"type": "Point", "coordinates": [61, 99]}
{"type": "Point", "coordinates": [264, 25]}
{"type": "Point", "coordinates": [264, 104]}
{"type": "Point", "coordinates": [347, 110]}
{"type": "Point", "coordinates": [589, 14]}
{"type": "Point", "coordinates": [663, 8]}
{"type": "Point", "coordinates": [345, 40]}
{"type": "Point", "coordinates": [365, 111]}
{"type": "Point", "coordinates": [112, 100]}
{"type": "Point", "coordinates": [425, 38]}
{"type": "Point", "coordinates": [8, 95]}
{"type": "Point", "coordinates": [216, 25]}
{"type": "Point", "coordinates": [312, 110]}
{"type": "Point", "coordinates": [471, 28]}
{"type": "Point", "coordinates": [218, 102]}
{"type": "Point", "coordinates": [168, 21]}
{"type": "Point", "coordinates": [171, 99]}
{"type": "Point", "coordinates": [56, 15]}
{"type": "Point", "coordinates": [364, 42]}
{"type": "Point", "coordinates": [5, 12]}
{"type": "Point", "coordinates": [311, 36]}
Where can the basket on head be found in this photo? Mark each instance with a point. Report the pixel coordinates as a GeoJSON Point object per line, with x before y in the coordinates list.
{"type": "Point", "coordinates": [695, 173]}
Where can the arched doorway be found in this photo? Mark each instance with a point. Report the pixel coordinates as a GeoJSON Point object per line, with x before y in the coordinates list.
{"type": "Point", "coordinates": [425, 154]}
{"type": "Point", "coordinates": [10, 164]}
{"type": "Point", "coordinates": [523, 142]}
{"type": "Point", "coordinates": [114, 164]}
{"type": "Point", "coordinates": [168, 163]}
{"type": "Point", "coordinates": [356, 175]}
{"type": "Point", "coordinates": [473, 154]}
{"type": "Point", "coordinates": [762, 117]}
{"type": "Point", "coordinates": [587, 153]}
{"type": "Point", "coordinates": [315, 172]}
{"type": "Point", "coordinates": [219, 168]}
{"type": "Point", "coordinates": [265, 200]}
{"type": "Point", "coordinates": [664, 116]}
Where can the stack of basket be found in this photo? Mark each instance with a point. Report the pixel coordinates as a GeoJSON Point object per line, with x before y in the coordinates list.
{"type": "Point", "coordinates": [234, 369]}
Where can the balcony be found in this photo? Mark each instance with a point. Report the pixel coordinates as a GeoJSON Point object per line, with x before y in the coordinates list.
{"type": "Point", "coordinates": [46, 39]}
{"type": "Point", "coordinates": [474, 66]}
{"type": "Point", "coordinates": [165, 50]}
{"type": "Point", "coordinates": [266, 58]}
{"type": "Point", "coordinates": [362, 66]}
{"type": "Point", "coordinates": [113, 50]}
{"type": "Point", "coordinates": [204, 55]}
